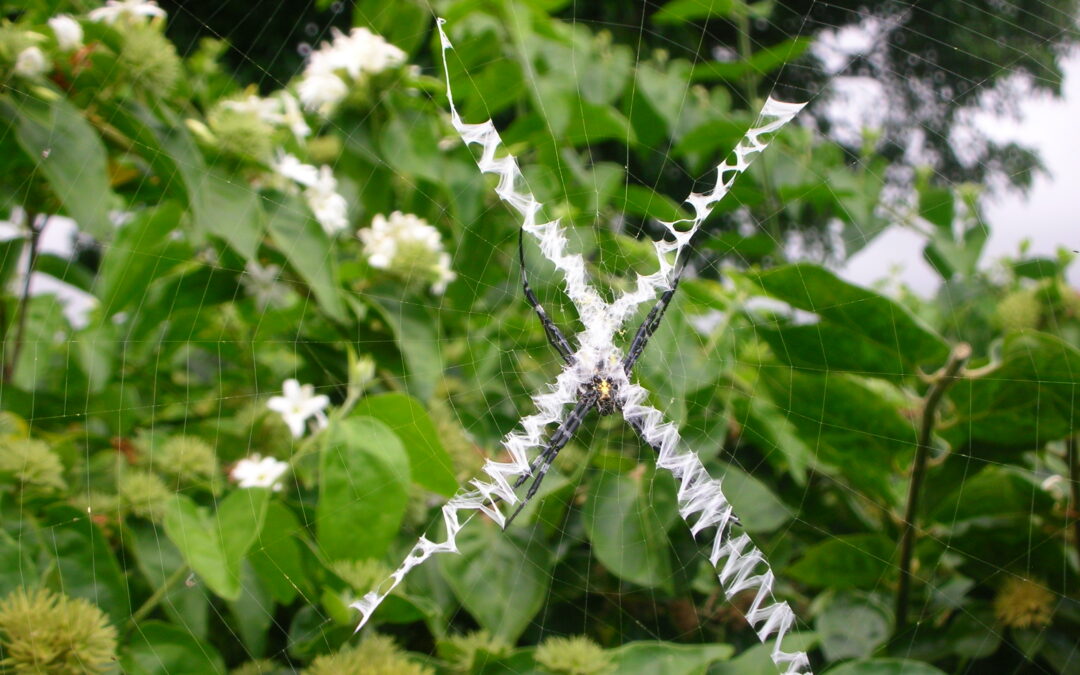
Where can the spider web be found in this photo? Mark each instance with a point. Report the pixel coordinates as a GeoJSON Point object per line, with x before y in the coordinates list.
{"type": "Point", "coordinates": [522, 363]}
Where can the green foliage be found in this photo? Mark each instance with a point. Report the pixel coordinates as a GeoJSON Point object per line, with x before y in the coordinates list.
{"type": "Point", "coordinates": [148, 465]}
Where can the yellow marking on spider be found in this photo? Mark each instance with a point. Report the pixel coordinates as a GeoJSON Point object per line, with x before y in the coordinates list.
{"type": "Point", "coordinates": [604, 388]}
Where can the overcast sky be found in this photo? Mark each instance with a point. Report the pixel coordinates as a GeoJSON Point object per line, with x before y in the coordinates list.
{"type": "Point", "coordinates": [1049, 216]}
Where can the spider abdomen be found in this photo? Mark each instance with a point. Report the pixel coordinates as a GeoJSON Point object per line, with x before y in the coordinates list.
{"type": "Point", "coordinates": [606, 390]}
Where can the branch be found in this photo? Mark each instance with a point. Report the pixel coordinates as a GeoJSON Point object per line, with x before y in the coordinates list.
{"type": "Point", "coordinates": [940, 384]}
{"type": "Point", "coordinates": [159, 594]}
{"type": "Point", "coordinates": [1072, 457]}
{"type": "Point", "coordinates": [24, 298]}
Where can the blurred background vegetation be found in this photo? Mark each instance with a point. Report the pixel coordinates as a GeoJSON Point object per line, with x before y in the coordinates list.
{"type": "Point", "coordinates": [908, 464]}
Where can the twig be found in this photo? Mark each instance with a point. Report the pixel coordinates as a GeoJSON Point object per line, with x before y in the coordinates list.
{"type": "Point", "coordinates": [24, 299]}
{"type": "Point", "coordinates": [154, 600]}
{"type": "Point", "coordinates": [940, 384]}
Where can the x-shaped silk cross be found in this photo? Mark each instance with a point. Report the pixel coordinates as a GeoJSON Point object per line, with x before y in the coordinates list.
{"type": "Point", "coordinates": [740, 565]}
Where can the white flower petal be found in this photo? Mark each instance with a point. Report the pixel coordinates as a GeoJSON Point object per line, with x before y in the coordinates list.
{"type": "Point", "coordinates": [69, 34]}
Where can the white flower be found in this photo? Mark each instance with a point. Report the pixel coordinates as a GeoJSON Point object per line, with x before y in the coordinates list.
{"type": "Point", "coordinates": [322, 92]}
{"type": "Point", "coordinates": [329, 207]}
{"type": "Point", "coordinates": [358, 54]}
{"type": "Point", "coordinates": [292, 168]}
{"type": "Point", "coordinates": [129, 9]}
{"type": "Point", "coordinates": [31, 63]}
{"type": "Point", "coordinates": [406, 244]}
{"type": "Point", "coordinates": [292, 115]}
{"type": "Point", "coordinates": [69, 34]}
{"type": "Point", "coordinates": [258, 471]}
{"type": "Point", "coordinates": [262, 283]}
{"type": "Point", "coordinates": [1056, 486]}
{"type": "Point", "coordinates": [298, 404]}
{"type": "Point", "coordinates": [280, 110]}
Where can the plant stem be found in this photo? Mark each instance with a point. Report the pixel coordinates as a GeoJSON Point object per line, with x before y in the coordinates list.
{"type": "Point", "coordinates": [1072, 456]}
{"type": "Point", "coordinates": [154, 600]}
{"type": "Point", "coordinates": [24, 298]}
{"type": "Point", "coordinates": [941, 382]}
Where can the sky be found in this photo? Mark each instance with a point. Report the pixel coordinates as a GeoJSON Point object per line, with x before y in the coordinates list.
{"type": "Point", "coordinates": [1049, 216]}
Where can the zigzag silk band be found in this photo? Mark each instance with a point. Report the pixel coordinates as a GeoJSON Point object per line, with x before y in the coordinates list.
{"type": "Point", "coordinates": [740, 565]}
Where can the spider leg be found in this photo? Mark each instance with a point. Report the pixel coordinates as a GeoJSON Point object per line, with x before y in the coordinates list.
{"type": "Point", "coordinates": [648, 327]}
{"type": "Point", "coordinates": [556, 443]}
{"type": "Point", "coordinates": [554, 335]}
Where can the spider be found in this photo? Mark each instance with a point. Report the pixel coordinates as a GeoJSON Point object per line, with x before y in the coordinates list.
{"type": "Point", "coordinates": [601, 391]}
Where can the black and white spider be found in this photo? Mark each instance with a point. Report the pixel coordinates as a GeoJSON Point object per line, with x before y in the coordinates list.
{"type": "Point", "coordinates": [600, 391]}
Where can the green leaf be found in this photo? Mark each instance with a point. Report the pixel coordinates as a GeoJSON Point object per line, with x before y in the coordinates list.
{"type": "Point", "coordinates": [69, 153]}
{"type": "Point", "coordinates": [158, 560]}
{"type": "Point", "coordinates": [253, 611]}
{"type": "Point", "coordinates": [68, 271]}
{"type": "Point", "coordinates": [937, 206]}
{"type": "Point", "coordinates": [626, 534]}
{"type": "Point", "coordinates": [309, 251]}
{"type": "Point", "coordinates": [887, 327]}
{"type": "Point", "coordinates": [276, 556]}
{"type": "Point", "coordinates": [134, 259]}
{"type": "Point", "coordinates": [757, 507]}
{"type": "Point", "coordinates": [885, 667]}
{"type": "Point", "coordinates": [853, 625]}
{"type": "Point", "coordinates": [681, 11]}
{"type": "Point", "coordinates": [828, 347]}
{"type": "Point", "coordinates": [1029, 398]}
{"type": "Point", "coordinates": [416, 338]}
{"type": "Point", "coordinates": [971, 633]}
{"type": "Point", "coordinates": [403, 24]}
{"type": "Point", "coordinates": [595, 123]}
{"type": "Point", "coordinates": [10, 252]}
{"type": "Point", "coordinates": [664, 91]}
{"type": "Point", "coordinates": [669, 658]}
{"type": "Point", "coordinates": [500, 577]}
{"type": "Point", "coordinates": [17, 568]}
{"type": "Point", "coordinates": [363, 489]}
{"type": "Point", "coordinates": [756, 659]}
{"type": "Point", "coordinates": [214, 546]}
{"type": "Point", "coordinates": [83, 562]}
{"type": "Point", "coordinates": [858, 428]}
{"type": "Point", "coordinates": [994, 491]}
{"type": "Point", "coordinates": [764, 423]}
{"type": "Point", "coordinates": [639, 200]}
{"type": "Point", "coordinates": [750, 248]}
{"type": "Point", "coordinates": [761, 62]}
{"type": "Point", "coordinates": [429, 463]}
{"type": "Point", "coordinates": [847, 561]}
{"type": "Point", "coordinates": [161, 649]}
{"type": "Point", "coordinates": [1037, 268]}
{"type": "Point", "coordinates": [229, 208]}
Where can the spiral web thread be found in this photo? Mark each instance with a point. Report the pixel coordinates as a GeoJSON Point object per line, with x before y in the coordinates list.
{"type": "Point", "coordinates": [740, 565]}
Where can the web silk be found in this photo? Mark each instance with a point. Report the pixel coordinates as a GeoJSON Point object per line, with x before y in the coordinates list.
{"type": "Point", "coordinates": [740, 565]}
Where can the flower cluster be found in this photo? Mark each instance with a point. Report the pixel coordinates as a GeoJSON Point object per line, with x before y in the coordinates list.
{"type": "Point", "coordinates": [31, 463]}
{"type": "Point", "coordinates": [46, 632]}
{"type": "Point", "coordinates": [576, 655]}
{"type": "Point", "coordinates": [407, 246]}
{"type": "Point", "coordinates": [298, 404]}
{"type": "Point", "coordinates": [375, 655]}
{"type": "Point", "coordinates": [320, 191]}
{"type": "Point", "coordinates": [279, 110]}
{"type": "Point", "coordinates": [345, 59]}
{"type": "Point", "coordinates": [1023, 603]}
{"type": "Point", "coordinates": [126, 10]}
